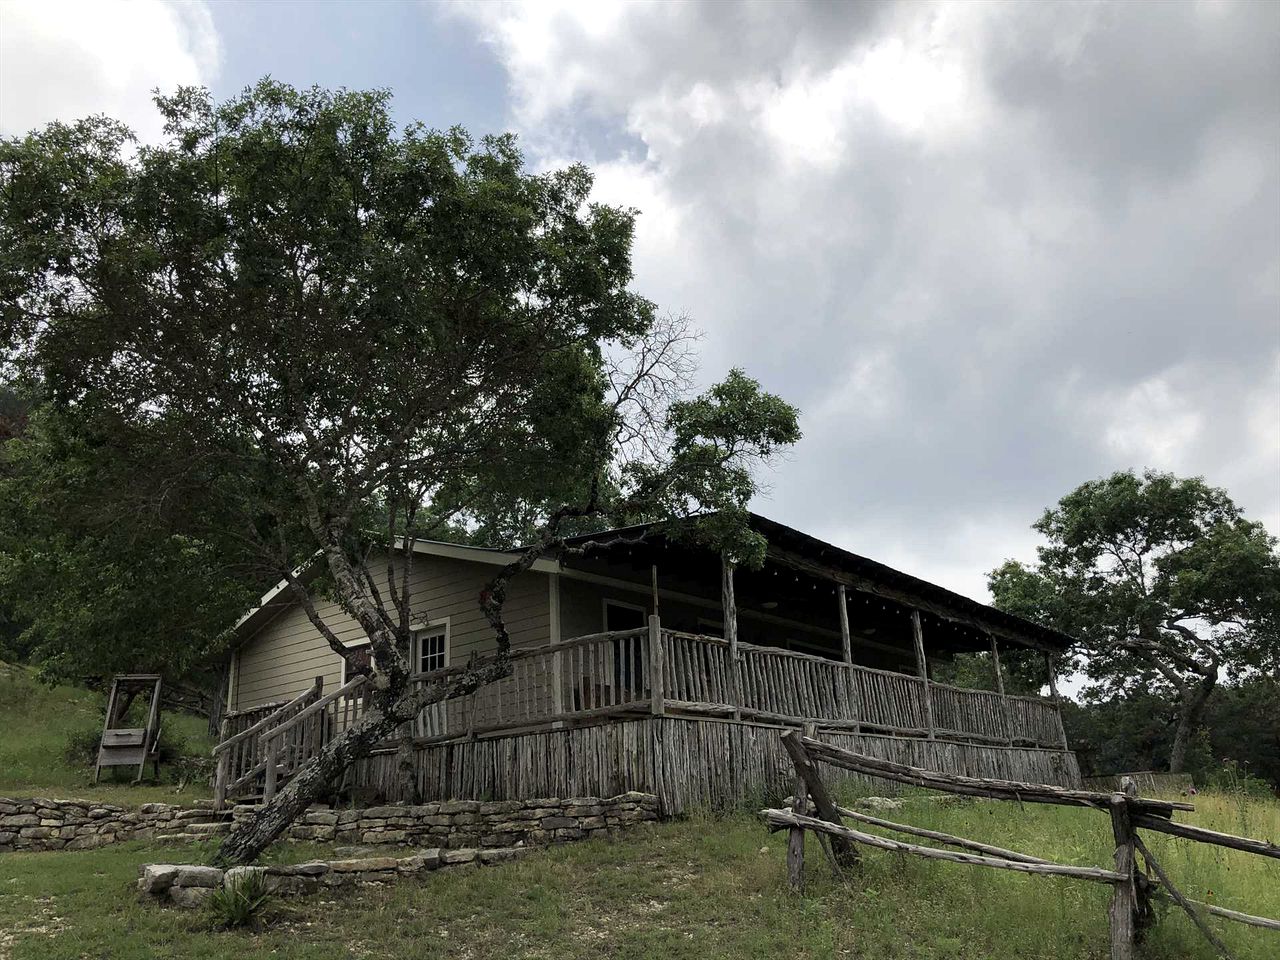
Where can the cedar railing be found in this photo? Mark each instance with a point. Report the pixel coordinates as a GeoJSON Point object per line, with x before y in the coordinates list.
{"type": "Point", "coordinates": [241, 752]}
{"type": "Point", "coordinates": [812, 809]}
{"type": "Point", "coordinates": [647, 670]}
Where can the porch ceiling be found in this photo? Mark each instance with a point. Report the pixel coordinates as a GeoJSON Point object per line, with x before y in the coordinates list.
{"type": "Point", "coordinates": [799, 579]}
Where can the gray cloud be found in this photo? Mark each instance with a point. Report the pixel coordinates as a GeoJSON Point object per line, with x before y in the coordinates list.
{"type": "Point", "coordinates": [991, 250]}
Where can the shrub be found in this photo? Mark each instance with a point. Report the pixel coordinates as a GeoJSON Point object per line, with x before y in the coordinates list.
{"type": "Point", "coordinates": [243, 903]}
{"type": "Point", "coordinates": [81, 748]}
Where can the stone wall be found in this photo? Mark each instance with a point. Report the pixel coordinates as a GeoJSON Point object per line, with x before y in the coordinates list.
{"type": "Point", "coordinates": [43, 824]}
{"type": "Point", "coordinates": [473, 823]}
{"type": "Point", "coordinates": [188, 885]}
{"type": "Point", "coordinates": [40, 823]}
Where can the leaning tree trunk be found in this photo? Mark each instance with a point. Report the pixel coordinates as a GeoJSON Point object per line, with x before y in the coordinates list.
{"type": "Point", "coordinates": [1190, 712]}
{"type": "Point", "coordinates": [309, 785]}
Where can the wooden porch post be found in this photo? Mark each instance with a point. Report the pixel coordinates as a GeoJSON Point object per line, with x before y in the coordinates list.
{"type": "Point", "coordinates": [1051, 664]}
{"type": "Point", "coordinates": [557, 658]}
{"type": "Point", "coordinates": [658, 702]}
{"type": "Point", "coordinates": [922, 667]}
{"type": "Point", "coordinates": [729, 609]}
{"type": "Point", "coordinates": [1004, 703]}
{"type": "Point", "coordinates": [846, 641]}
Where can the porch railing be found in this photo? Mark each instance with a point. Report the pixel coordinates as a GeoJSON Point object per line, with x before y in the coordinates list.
{"type": "Point", "coordinates": [647, 670]}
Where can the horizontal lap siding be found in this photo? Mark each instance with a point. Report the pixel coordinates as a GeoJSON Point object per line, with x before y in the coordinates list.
{"type": "Point", "coordinates": [288, 653]}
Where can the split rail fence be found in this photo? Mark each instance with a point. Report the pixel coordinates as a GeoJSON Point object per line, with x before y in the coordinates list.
{"type": "Point", "coordinates": [1133, 887]}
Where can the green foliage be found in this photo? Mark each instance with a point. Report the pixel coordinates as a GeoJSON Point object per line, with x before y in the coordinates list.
{"type": "Point", "coordinates": [106, 572]}
{"type": "Point", "coordinates": [1024, 671]}
{"type": "Point", "coordinates": [1164, 581]}
{"type": "Point", "coordinates": [244, 903]}
{"type": "Point", "coordinates": [40, 721]}
{"type": "Point", "coordinates": [81, 746]}
{"type": "Point", "coordinates": [310, 328]}
{"type": "Point", "coordinates": [1136, 732]}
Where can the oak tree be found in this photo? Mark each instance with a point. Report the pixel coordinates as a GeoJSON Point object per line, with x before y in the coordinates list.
{"type": "Point", "coordinates": [335, 336]}
{"type": "Point", "coordinates": [1166, 583]}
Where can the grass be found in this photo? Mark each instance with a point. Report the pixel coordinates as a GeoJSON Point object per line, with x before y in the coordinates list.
{"type": "Point", "coordinates": [38, 720]}
{"type": "Point", "coordinates": [699, 888]}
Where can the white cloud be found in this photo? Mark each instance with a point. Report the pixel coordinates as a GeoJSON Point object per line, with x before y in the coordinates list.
{"type": "Point", "coordinates": [63, 60]}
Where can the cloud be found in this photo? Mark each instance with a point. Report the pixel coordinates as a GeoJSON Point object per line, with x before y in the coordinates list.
{"type": "Point", "coordinates": [64, 60]}
{"type": "Point", "coordinates": [992, 250]}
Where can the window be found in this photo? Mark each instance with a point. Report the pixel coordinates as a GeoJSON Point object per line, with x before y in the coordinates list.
{"type": "Point", "coordinates": [433, 647]}
{"type": "Point", "coordinates": [358, 655]}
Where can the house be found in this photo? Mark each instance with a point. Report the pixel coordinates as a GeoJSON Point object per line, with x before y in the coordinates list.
{"type": "Point", "coordinates": [649, 664]}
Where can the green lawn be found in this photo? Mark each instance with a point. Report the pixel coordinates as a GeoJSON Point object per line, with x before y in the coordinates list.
{"type": "Point", "coordinates": [698, 888]}
{"type": "Point", "coordinates": [692, 889]}
{"type": "Point", "coordinates": [36, 722]}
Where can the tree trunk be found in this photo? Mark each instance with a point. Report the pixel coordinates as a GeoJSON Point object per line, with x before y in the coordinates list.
{"type": "Point", "coordinates": [1190, 712]}
{"type": "Point", "coordinates": [309, 785]}
{"type": "Point", "coordinates": [405, 772]}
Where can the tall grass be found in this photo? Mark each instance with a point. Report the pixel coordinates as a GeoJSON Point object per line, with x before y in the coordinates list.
{"type": "Point", "coordinates": [706, 887]}
{"type": "Point", "coordinates": [39, 722]}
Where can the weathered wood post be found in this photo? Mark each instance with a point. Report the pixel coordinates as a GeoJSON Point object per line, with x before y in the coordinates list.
{"type": "Point", "coordinates": [1124, 895]}
{"type": "Point", "coordinates": [842, 850]}
{"type": "Point", "coordinates": [658, 702]}
{"type": "Point", "coordinates": [1052, 666]}
{"type": "Point", "coordinates": [1004, 703]}
{"type": "Point", "coordinates": [272, 758]}
{"type": "Point", "coordinates": [922, 666]}
{"type": "Point", "coordinates": [846, 639]}
{"type": "Point", "coordinates": [557, 658]}
{"type": "Point", "coordinates": [729, 608]}
{"type": "Point", "coordinates": [795, 836]}
{"type": "Point", "coordinates": [224, 767]}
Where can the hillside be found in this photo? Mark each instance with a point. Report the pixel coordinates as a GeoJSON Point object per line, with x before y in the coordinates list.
{"type": "Point", "coordinates": [703, 887]}
{"type": "Point", "coordinates": [38, 722]}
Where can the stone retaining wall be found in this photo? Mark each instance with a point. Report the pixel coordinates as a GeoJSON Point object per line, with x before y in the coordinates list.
{"type": "Point", "coordinates": [40, 823]}
{"type": "Point", "coordinates": [187, 885]}
{"type": "Point", "coordinates": [473, 823]}
{"type": "Point", "coordinates": [43, 824]}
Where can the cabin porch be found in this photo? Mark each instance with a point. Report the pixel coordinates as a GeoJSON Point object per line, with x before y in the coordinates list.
{"type": "Point", "coordinates": [650, 708]}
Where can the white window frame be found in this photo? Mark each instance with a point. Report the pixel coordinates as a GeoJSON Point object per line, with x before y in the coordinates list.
{"type": "Point", "coordinates": [431, 626]}
{"type": "Point", "coordinates": [608, 602]}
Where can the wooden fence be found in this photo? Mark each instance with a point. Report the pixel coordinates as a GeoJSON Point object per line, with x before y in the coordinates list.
{"type": "Point", "coordinates": [1132, 886]}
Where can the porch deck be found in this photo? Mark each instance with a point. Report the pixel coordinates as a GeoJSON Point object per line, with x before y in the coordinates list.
{"type": "Point", "coordinates": [603, 679]}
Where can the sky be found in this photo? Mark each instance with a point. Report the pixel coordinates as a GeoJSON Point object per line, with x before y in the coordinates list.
{"type": "Point", "coordinates": [990, 250]}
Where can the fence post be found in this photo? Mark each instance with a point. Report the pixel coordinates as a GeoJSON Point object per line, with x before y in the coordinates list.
{"type": "Point", "coordinates": [795, 836]}
{"type": "Point", "coordinates": [658, 703]}
{"type": "Point", "coordinates": [1124, 895]}
{"type": "Point", "coordinates": [842, 850]}
{"type": "Point", "coordinates": [922, 665]}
